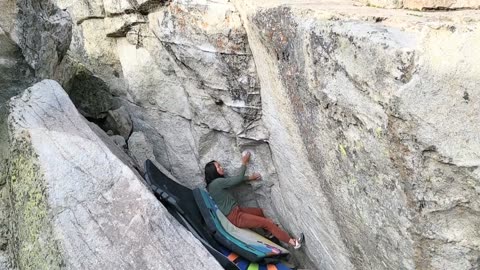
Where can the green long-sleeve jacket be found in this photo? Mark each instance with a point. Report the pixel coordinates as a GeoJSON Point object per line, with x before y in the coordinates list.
{"type": "Point", "coordinates": [220, 194]}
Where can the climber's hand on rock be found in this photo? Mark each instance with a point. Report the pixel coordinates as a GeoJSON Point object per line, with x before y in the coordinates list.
{"type": "Point", "coordinates": [246, 158]}
{"type": "Point", "coordinates": [255, 176]}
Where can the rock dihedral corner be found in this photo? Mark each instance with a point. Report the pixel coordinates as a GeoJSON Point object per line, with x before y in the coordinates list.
{"type": "Point", "coordinates": [342, 94]}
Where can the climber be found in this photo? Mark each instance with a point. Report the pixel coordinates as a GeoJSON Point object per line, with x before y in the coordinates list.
{"type": "Point", "coordinates": [242, 217]}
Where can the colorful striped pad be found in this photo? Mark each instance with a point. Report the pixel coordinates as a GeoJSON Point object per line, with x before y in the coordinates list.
{"type": "Point", "coordinates": [244, 242]}
{"type": "Point", "coordinates": [246, 265]}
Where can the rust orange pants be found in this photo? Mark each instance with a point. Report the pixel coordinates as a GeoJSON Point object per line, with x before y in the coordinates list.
{"type": "Point", "coordinates": [252, 218]}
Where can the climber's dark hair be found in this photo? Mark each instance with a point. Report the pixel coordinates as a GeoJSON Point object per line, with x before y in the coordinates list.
{"type": "Point", "coordinates": [211, 172]}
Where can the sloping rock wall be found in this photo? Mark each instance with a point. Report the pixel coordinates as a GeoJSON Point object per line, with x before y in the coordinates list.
{"type": "Point", "coordinates": [375, 117]}
{"type": "Point", "coordinates": [75, 205]}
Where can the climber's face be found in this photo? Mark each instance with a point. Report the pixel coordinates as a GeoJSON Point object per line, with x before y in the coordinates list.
{"type": "Point", "coordinates": [219, 168]}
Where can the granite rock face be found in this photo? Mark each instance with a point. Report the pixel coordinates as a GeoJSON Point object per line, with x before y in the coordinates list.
{"type": "Point", "coordinates": [425, 4]}
{"type": "Point", "coordinates": [43, 32]}
{"type": "Point", "coordinates": [76, 204]}
{"type": "Point", "coordinates": [181, 64]}
{"type": "Point", "coordinates": [376, 118]}
{"type": "Point", "coordinates": [190, 69]}
{"type": "Point", "coordinates": [362, 121]}
{"type": "Point", "coordinates": [9, 11]}
{"type": "Point", "coordinates": [15, 76]}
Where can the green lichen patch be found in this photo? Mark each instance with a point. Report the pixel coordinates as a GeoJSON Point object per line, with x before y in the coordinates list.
{"type": "Point", "coordinates": [33, 245]}
{"type": "Point", "coordinates": [342, 149]}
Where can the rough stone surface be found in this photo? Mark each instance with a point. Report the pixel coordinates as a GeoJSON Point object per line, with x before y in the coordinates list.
{"type": "Point", "coordinates": [82, 10]}
{"type": "Point", "coordinates": [179, 74]}
{"type": "Point", "coordinates": [139, 148]}
{"type": "Point", "coordinates": [383, 3]}
{"type": "Point", "coordinates": [91, 95]}
{"type": "Point", "coordinates": [114, 7]}
{"type": "Point", "coordinates": [96, 52]}
{"type": "Point", "coordinates": [15, 76]}
{"type": "Point", "coordinates": [9, 12]}
{"type": "Point", "coordinates": [366, 130]}
{"type": "Point", "coordinates": [153, 139]}
{"type": "Point", "coordinates": [43, 32]}
{"type": "Point", "coordinates": [373, 111]}
{"type": "Point", "coordinates": [119, 140]}
{"type": "Point", "coordinates": [85, 209]}
{"type": "Point", "coordinates": [191, 68]}
{"type": "Point", "coordinates": [424, 4]}
{"type": "Point", "coordinates": [119, 122]}
{"type": "Point", "coordinates": [118, 151]}
{"type": "Point", "coordinates": [90, 49]}
{"type": "Point", "coordinates": [118, 26]}
{"type": "Point", "coordinates": [444, 4]}
{"type": "Point", "coordinates": [5, 260]}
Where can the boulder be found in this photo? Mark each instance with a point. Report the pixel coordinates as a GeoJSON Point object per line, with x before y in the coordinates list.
{"type": "Point", "coordinates": [139, 148]}
{"type": "Point", "coordinates": [90, 94]}
{"type": "Point", "coordinates": [369, 121]}
{"type": "Point", "coordinates": [119, 122]}
{"type": "Point", "coordinates": [148, 143]}
{"type": "Point", "coordinates": [15, 74]}
{"type": "Point", "coordinates": [43, 32]}
{"type": "Point", "coordinates": [119, 141]}
{"type": "Point", "coordinates": [114, 143]}
{"type": "Point", "coordinates": [362, 120]}
{"type": "Point", "coordinates": [76, 204]}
